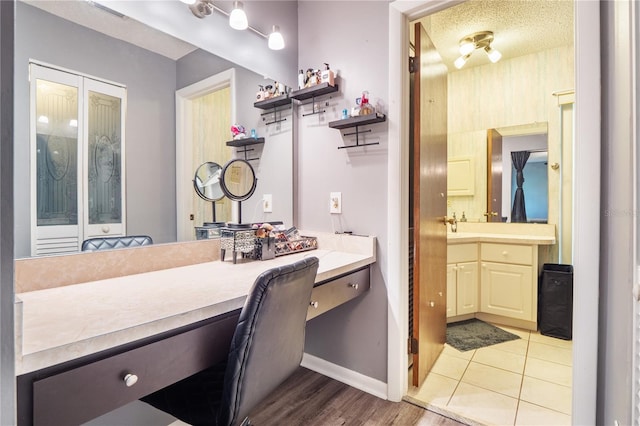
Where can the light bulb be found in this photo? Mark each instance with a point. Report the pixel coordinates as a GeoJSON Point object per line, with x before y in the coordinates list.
{"type": "Point", "coordinates": [276, 42]}
{"type": "Point", "coordinates": [189, 2]}
{"type": "Point", "coordinates": [459, 63]}
{"type": "Point", "coordinates": [466, 47]}
{"type": "Point", "coordinates": [43, 119]}
{"type": "Point", "coordinates": [237, 17]}
{"type": "Point", "coordinates": [493, 54]}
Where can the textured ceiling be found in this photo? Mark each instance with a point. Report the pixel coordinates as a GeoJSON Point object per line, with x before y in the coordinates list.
{"type": "Point", "coordinates": [520, 27]}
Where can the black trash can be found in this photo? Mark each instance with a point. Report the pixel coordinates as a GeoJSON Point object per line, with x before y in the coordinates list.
{"type": "Point", "coordinates": [555, 301]}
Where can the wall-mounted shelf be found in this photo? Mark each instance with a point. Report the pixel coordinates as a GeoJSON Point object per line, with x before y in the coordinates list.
{"type": "Point", "coordinates": [271, 106]}
{"type": "Point", "coordinates": [273, 102]}
{"type": "Point", "coordinates": [312, 93]}
{"type": "Point", "coordinates": [244, 144]}
{"type": "Point", "coordinates": [361, 120]}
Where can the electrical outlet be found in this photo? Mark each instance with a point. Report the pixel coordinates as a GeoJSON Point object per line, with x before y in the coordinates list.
{"type": "Point", "coordinates": [335, 202]}
{"type": "Point", "coordinates": [267, 203]}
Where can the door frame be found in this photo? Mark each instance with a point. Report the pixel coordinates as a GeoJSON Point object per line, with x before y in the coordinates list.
{"type": "Point", "coordinates": [586, 239]}
{"type": "Point", "coordinates": [184, 174]}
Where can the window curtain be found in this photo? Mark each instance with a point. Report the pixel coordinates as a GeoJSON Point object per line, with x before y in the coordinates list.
{"type": "Point", "coordinates": [519, 211]}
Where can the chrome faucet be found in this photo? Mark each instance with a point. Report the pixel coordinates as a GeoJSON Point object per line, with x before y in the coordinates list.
{"type": "Point", "coordinates": [453, 221]}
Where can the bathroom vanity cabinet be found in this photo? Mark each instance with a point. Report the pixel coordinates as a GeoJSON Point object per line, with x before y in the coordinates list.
{"type": "Point", "coordinates": [494, 277]}
{"type": "Point", "coordinates": [509, 284]}
{"type": "Point", "coordinates": [462, 279]}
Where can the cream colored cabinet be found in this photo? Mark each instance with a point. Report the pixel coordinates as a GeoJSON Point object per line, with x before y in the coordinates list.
{"type": "Point", "coordinates": [462, 279]}
{"type": "Point", "coordinates": [508, 284]}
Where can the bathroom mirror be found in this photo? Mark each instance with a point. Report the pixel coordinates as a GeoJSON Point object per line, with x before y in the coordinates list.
{"type": "Point", "coordinates": [206, 183]}
{"type": "Point", "coordinates": [238, 180]}
{"type": "Point", "coordinates": [153, 66]}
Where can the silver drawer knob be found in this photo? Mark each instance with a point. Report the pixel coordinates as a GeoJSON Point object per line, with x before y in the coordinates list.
{"type": "Point", "coordinates": [314, 304]}
{"type": "Point", "coordinates": [130, 379]}
{"type": "Point", "coordinates": [354, 286]}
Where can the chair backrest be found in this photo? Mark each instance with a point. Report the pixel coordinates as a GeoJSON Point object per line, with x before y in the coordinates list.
{"type": "Point", "coordinates": [107, 243]}
{"type": "Point", "coordinates": [268, 343]}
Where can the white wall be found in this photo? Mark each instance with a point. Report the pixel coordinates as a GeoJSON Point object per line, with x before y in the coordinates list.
{"type": "Point", "coordinates": [352, 36]}
{"type": "Point", "coordinates": [615, 343]}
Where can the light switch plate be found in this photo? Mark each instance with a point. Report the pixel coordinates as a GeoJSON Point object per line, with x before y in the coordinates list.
{"type": "Point", "coordinates": [267, 203]}
{"type": "Point", "coordinates": [335, 202]}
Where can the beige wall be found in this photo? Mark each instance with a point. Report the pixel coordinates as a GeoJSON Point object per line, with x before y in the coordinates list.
{"type": "Point", "coordinates": [509, 93]}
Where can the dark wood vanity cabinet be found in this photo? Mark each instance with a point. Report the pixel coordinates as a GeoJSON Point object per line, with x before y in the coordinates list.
{"type": "Point", "coordinates": [328, 294]}
{"type": "Point", "coordinates": [77, 391]}
{"type": "Point", "coordinates": [80, 390]}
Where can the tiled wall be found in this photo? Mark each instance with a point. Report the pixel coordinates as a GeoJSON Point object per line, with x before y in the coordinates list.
{"type": "Point", "coordinates": [40, 273]}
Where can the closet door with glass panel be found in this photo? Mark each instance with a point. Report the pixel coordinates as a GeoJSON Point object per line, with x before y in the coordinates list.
{"type": "Point", "coordinates": [77, 173]}
{"type": "Point", "coordinates": [103, 167]}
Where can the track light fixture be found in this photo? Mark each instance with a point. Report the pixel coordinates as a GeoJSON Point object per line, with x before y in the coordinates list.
{"type": "Point", "coordinates": [237, 20]}
{"type": "Point", "coordinates": [480, 40]}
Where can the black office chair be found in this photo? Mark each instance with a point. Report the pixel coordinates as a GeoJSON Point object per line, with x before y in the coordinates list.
{"type": "Point", "coordinates": [108, 243]}
{"type": "Point", "coordinates": [266, 349]}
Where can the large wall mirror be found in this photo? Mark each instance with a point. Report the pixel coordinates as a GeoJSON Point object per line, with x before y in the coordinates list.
{"type": "Point", "coordinates": [152, 66]}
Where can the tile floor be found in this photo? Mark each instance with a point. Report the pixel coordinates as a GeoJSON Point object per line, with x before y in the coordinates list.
{"type": "Point", "coordinates": [522, 382]}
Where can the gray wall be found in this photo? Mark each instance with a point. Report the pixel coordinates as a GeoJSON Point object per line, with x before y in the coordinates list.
{"type": "Point", "coordinates": [7, 352]}
{"type": "Point", "coordinates": [150, 125]}
{"type": "Point", "coordinates": [357, 46]}
{"type": "Point", "coordinates": [615, 343]}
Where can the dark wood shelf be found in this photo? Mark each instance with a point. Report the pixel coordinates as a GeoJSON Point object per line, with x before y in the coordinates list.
{"type": "Point", "coordinates": [360, 120]}
{"type": "Point", "coordinates": [313, 91]}
{"type": "Point", "coordinates": [245, 142]}
{"type": "Point", "coordinates": [273, 102]}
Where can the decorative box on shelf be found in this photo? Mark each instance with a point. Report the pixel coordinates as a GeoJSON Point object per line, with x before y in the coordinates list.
{"type": "Point", "coordinates": [208, 230]}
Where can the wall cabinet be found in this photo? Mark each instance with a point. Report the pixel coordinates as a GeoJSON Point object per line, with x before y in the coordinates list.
{"type": "Point", "coordinates": [462, 279]}
{"type": "Point", "coordinates": [508, 283]}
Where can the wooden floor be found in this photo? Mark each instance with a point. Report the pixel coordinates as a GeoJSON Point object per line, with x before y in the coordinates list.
{"type": "Point", "coordinates": [311, 399]}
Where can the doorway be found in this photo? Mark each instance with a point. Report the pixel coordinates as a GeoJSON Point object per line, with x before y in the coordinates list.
{"type": "Point", "coordinates": [203, 111]}
{"type": "Point", "coordinates": [586, 174]}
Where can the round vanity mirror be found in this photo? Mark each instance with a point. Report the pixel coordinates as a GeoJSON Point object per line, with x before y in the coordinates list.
{"type": "Point", "coordinates": [207, 181]}
{"type": "Point", "coordinates": [238, 182]}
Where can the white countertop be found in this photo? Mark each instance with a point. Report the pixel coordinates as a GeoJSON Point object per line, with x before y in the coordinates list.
{"type": "Point", "coordinates": [69, 322]}
{"type": "Point", "coordinates": [503, 233]}
{"type": "Point", "coordinates": [478, 237]}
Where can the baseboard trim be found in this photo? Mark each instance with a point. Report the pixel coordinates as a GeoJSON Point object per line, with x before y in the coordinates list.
{"type": "Point", "coordinates": [352, 378]}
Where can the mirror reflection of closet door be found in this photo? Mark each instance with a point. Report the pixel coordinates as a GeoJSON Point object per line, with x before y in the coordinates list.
{"type": "Point", "coordinates": [77, 157]}
{"type": "Point", "coordinates": [103, 162]}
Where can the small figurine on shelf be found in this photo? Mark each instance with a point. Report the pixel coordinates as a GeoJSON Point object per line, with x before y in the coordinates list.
{"type": "Point", "coordinates": [238, 131]}
{"type": "Point", "coordinates": [308, 78]}
{"type": "Point", "coordinates": [268, 91]}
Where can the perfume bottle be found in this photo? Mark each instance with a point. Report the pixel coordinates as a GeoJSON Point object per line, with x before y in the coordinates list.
{"type": "Point", "coordinates": [365, 107]}
{"type": "Point", "coordinates": [301, 79]}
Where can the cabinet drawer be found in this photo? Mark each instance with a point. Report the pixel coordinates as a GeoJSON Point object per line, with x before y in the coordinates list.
{"type": "Point", "coordinates": [329, 294]}
{"type": "Point", "coordinates": [457, 253]}
{"type": "Point", "coordinates": [90, 390]}
{"type": "Point", "coordinates": [507, 253]}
